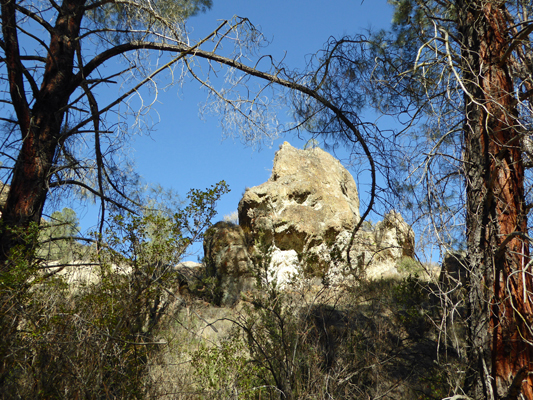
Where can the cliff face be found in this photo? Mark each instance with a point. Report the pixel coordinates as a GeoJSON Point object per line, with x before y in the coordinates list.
{"type": "Point", "coordinates": [302, 219]}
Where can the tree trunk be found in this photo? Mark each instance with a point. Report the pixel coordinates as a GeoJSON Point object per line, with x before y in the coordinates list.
{"type": "Point", "coordinates": [40, 127]}
{"type": "Point", "coordinates": [500, 308]}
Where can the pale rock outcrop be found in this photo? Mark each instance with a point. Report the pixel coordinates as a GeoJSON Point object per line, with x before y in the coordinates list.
{"type": "Point", "coordinates": [283, 267]}
{"type": "Point", "coordinates": [225, 250]}
{"type": "Point", "coordinates": [80, 273]}
{"type": "Point", "coordinates": [4, 191]}
{"type": "Point", "coordinates": [304, 216]}
{"type": "Point", "coordinates": [310, 198]}
{"type": "Point", "coordinates": [379, 251]}
{"type": "Point", "coordinates": [227, 260]}
{"type": "Point", "coordinates": [394, 238]}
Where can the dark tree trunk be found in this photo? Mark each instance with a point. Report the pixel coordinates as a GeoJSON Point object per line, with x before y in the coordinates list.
{"type": "Point", "coordinates": [40, 127]}
{"type": "Point", "coordinates": [500, 309]}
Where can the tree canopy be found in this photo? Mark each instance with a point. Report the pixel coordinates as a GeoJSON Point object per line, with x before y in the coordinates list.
{"type": "Point", "coordinates": [59, 137]}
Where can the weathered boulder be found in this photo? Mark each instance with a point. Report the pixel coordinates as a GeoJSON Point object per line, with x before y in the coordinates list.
{"type": "Point", "coordinates": [225, 250]}
{"type": "Point", "coordinates": [189, 275]}
{"type": "Point", "coordinates": [394, 237]}
{"type": "Point", "coordinates": [376, 250]}
{"type": "Point", "coordinates": [78, 274]}
{"type": "Point", "coordinates": [453, 273]}
{"type": "Point", "coordinates": [310, 198]}
{"type": "Point", "coordinates": [227, 260]}
{"type": "Point", "coordinates": [302, 219]}
{"type": "Point", "coordinates": [283, 266]}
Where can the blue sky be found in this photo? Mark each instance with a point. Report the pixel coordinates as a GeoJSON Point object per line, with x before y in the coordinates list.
{"type": "Point", "coordinates": [187, 152]}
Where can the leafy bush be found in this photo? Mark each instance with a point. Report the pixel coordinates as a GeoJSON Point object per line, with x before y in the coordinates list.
{"type": "Point", "coordinates": [94, 339]}
{"type": "Point", "coordinates": [409, 266]}
{"type": "Point", "coordinates": [224, 370]}
{"type": "Point", "coordinates": [307, 343]}
{"type": "Point", "coordinates": [411, 299]}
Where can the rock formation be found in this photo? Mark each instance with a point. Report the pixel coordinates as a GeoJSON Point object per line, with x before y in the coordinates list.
{"type": "Point", "coordinates": [226, 250]}
{"type": "Point", "coordinates": [227, 260]}
{"type": "Point", "coordinates": [454, 273]}
{"type": "Point", "coordinates": [4, 191]}
{"type": "Point", "coordinates": [310, 198]}
{"type": "Point", "coordinates": [302, 220]}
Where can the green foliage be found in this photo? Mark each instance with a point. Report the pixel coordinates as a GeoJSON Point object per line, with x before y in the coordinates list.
{"type": "Point", "coordinates": [124, 19]}
{"type": "Point", "coordinates": [93, 338]}
{"type": "Point", "coordinates": [374, 339]}
{"type": "Point", "coordinates": [435, 386]}
{"type": "Point", "coordinates": [20, 269]}
{"type": "Point", "coordinates": [22, 264]}
{"type": "Point", "coordinates": [225, 371]}
{"type": "Point", "coordinates": [314, 345]}
{"type": "Point", "coordinates": [57, 236]}
{"type": "Point", "coordinates": [411, 297]}
{"type": "Point", "coordinates": [161, 235]}
{"type": "Point", "coordinates": [82, 344]}
{"type": "Point", "coordinates": [409, 266]}
{"type": "Point", "coordinates": [271, 330]}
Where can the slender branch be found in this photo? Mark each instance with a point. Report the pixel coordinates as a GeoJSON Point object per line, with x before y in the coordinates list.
{"type": "Point", "coordinates": [516, 385]}
{"type": "Point", "coordinates": [25, 71]}
{"type": "Point", "coordinates": [194, 50]}
{"type": "Point", "coordinates": [502, 248]}
{"type": "Point", "coordinates": [93, 105]}
{"type": "Point", "coordinates": [75, 238]}
{"type": "Point", "coordinates": [97, 4]}
{"type": "Point", "coordinates": [14, 65]}
{"type": "Point", "coordinates": [35, 17]}
{"type": "Point", "coordinates": [62, 182]}
{"type": "Point", "coordinates": [524, 33]}
{"type": "Point", "coordinates": [98, 60]}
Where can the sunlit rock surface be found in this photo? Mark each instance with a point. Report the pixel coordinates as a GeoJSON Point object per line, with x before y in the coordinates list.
{"type": "Point", "coordinates": [301, 221]}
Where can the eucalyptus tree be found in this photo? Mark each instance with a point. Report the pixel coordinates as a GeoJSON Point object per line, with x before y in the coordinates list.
{"type": "Point", "coordinates": [458, 75]}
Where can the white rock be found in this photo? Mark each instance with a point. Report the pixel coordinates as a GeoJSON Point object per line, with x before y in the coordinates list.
{"type": "Point", "coordinates": [284, 267]}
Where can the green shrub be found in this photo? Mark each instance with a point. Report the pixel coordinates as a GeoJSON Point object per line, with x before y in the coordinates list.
{"type": "Point", "coordinates": [95, 340]}
{"type": "Point", "coordinates": [368, 341]}
{"type": "Point", "coordinates": [225, 371]}
{"type": "Point", "coordinates": [411, 298]}
{"type": "Point", "coordinates": [409, 266]}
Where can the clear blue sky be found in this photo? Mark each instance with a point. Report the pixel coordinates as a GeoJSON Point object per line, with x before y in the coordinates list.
{"type": "Point", "coordinates": [185, 152]}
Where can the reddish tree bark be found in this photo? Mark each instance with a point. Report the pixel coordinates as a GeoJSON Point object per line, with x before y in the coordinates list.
{"type": "Point", "coordinates": [500, 305]}
{"type": "Point", "coordinates": [40, 126]}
